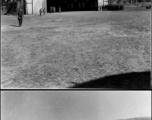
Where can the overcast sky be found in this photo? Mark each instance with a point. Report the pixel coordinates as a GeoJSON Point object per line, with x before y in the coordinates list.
{"type": "Point", "coordinates": [74, 105]}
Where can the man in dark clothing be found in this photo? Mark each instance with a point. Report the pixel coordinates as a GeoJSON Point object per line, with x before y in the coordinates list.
{"type": "Point", "coordinates": [20, 17]}
{"type": "Point", "coordinates": [40, 11]}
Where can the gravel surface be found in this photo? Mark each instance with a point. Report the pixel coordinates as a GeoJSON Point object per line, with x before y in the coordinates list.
{"type": "Point", "coordinates": [61, 49]}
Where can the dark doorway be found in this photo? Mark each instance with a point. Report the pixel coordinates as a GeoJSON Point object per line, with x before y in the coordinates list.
{"type": "Point", "coordinates": [56, 4]}
{"type": "Point", "coordinates": [73, 5]}
{"type": "Point", "coordinates": [24, 6]}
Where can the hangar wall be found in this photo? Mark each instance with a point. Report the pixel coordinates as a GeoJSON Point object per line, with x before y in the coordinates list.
{"type": "Point", "coordinates": [33, 6]}
{"type": "Point", "coordinates": [100, 2]}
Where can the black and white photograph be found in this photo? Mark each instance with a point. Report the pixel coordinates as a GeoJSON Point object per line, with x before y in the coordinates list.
{"type": "Point", "coordinates": [75, 44]}
{"type": "Point", "coordinates": [76, 105]}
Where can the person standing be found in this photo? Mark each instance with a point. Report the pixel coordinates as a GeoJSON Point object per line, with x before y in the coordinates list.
{"type": "Point", "coordinates": [44, 11]}
{"type": "Point", "coordinates": [40, 11]}
{"type": "Point", "coordinates": [51, 9]}
{"type": "Point", "coordinates": [54, 10]}
{"type": "Point", "coordinates": [20, 17]}
{"type": "Point", "coordinates": [59, 9]}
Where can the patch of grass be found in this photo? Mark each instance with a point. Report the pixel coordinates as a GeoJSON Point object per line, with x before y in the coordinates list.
{"type": "Point", "coordinates": [57, 50]}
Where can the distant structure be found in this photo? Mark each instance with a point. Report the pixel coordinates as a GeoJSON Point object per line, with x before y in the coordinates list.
{"type": "Point", "coordinates": [120, 2]}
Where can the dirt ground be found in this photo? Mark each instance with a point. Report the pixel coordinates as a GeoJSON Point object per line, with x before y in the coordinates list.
{"type": "Point", "coordinates": [61, 49]}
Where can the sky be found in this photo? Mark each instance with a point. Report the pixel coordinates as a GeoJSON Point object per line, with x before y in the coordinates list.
{"type": "Point", "coordinates": [75, 105]}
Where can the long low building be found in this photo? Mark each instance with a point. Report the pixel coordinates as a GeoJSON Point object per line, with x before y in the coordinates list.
{"type": "Point", "coordinates": [33, 6]}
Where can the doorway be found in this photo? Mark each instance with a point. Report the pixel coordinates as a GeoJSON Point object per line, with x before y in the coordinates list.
{"type": "Point", "coordinates": [57, 4]}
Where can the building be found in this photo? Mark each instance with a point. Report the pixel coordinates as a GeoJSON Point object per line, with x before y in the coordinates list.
{"type": "Point", "coordinates": [33, 6]}
{"type": "Point", "coordinates": [103, 2]}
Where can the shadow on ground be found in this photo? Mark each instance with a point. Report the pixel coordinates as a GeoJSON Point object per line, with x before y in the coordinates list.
{"type": "Point", "coordinates": [133, 80]}
{"type": "Point", "coordinates": [14, 25]}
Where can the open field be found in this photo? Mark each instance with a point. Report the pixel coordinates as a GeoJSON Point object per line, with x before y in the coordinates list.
{"type": "Point", "coordinates": [62, 49]}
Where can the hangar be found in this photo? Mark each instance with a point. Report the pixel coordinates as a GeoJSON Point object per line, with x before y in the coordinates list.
{"type": "Point", "coordinates": [64, 5]}
{"type": "Point", "coordinates": [33, 6]}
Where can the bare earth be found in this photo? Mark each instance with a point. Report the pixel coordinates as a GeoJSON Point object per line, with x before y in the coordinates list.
{"type": "Point", "coordinates": [61, 49]}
